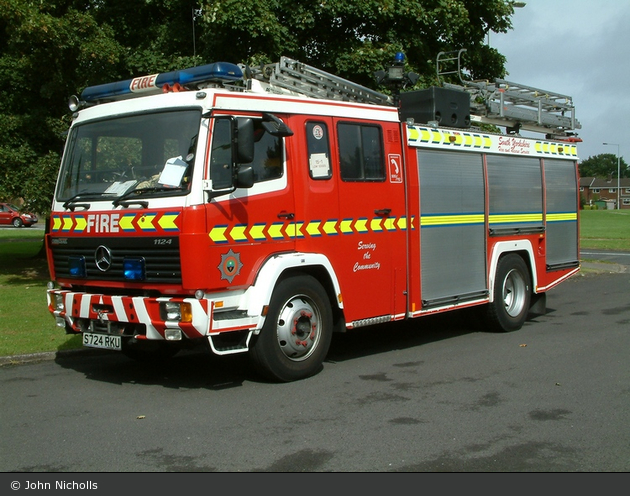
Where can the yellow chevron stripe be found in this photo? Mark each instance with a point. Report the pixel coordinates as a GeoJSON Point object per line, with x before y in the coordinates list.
{"type": "Point", "coordinates": [313, 228]}
{"type": "Point", "coordinates": [167, 222]}
{"type": "Point", "coordinates": [257, 232]}
{"type": "Point", "coordinates": [375, 225]}
{"type": "Point", "coordinates": [329, 227]}
{"type": "Point", "coordinates": [67, 223]}
{"type": "Point", "coordinates": [126, 222]}
{"type": "Point", "coordinates": [275, 230]}
{"type": "Point", "coordinates": [217, 234]}
{"type": "Point", "coordinates": [81, 223]}
{"type": "Point", "coordinates": [237, 233]}
{"type": "Point", "coordinates": [145, 222]}
{"type": "Point", "coordinates": [345, 226]}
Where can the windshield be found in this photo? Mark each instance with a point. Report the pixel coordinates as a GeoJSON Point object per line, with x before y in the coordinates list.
{"type": "Point", "coordinates": [152, 152]}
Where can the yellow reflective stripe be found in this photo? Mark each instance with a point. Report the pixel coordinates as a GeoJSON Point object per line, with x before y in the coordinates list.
{"type": "Point", "coordinates": [316, 228]}
{"type": "Point", "coordinates": [561, 217]}
{"type": "Point", "coordinates": [512, 218]}
{"type": "Point", "coordinates": [450, 220]}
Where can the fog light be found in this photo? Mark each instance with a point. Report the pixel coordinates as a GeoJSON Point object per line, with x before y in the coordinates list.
{"type": "Point", "coordinates": [133, 269]}
{"type": "Point", "coordinates": [60, 322]}
{"type": "Point", "coordinates": [173, 334]}
{"type": "Point", "coordinates": [77, 266]}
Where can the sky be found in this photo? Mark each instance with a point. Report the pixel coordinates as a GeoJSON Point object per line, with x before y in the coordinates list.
{"type": "Point", "coordinates": [578, 48]}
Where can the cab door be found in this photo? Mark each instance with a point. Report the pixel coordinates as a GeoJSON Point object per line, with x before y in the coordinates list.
{"type": "Point", "coordinates": [350, 206]}
{"type": "Point", "coordinates": [373, 222]}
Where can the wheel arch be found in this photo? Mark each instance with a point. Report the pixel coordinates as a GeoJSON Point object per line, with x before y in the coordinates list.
{"type": "Point", "coordinates": [282, 266]}
{"type": "Point", "coordinates": [524, 249]}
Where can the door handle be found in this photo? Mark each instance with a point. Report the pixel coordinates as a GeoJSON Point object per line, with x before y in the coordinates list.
{"type": "Point", "coordinates": [383, 212]}
{"type": "Point", "coordinates": [286, 215]}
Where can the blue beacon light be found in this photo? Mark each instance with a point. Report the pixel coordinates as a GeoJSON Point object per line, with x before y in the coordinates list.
{"type": "Point", "coordinates": [218, 71]}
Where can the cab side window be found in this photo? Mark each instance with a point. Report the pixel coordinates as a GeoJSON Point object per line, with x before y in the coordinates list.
{"type": "Point", "coordinates": [318, 148]}
{"type": "Point", "coordinates": [361, 156]}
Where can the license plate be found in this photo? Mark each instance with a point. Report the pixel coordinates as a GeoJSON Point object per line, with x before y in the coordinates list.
{"type": "Point", "coordinates": [101, 341]}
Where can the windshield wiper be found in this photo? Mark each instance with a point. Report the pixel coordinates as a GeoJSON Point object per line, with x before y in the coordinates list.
{"type": "Point", "coordinates": [122, 200]}
{"type": "Point", "coordinates": [71, 203]}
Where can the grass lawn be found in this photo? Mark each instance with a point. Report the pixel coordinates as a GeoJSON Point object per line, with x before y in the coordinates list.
{"type": "Point", "coordinates": [605, 229]}
{"type": "Point", "coordinates": [26, 326]}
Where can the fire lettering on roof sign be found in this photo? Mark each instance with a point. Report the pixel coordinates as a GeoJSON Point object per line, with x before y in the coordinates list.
{"type": "Point", "coordinates": [143, 83]}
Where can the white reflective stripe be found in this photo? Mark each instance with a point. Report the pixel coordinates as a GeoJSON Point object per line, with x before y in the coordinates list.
{"type": "Point", "coordinates": [119, 309]}
{"type": "Point", "coordinates": [143, 317]}
{"type": "Point", "coordinates": [200, 319]}
{"type": "Point", "coordinates": [84, 307]}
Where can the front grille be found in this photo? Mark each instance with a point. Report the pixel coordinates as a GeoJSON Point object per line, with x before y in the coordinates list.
{"type": "Point", "coordinates": [161, 255]}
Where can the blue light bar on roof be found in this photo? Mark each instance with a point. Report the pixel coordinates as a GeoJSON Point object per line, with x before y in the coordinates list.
{"type": "Point", "coordinates": [216, 72]}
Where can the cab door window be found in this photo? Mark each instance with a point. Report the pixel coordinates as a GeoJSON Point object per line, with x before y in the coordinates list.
{"type": "Point", "coordinates": [267, 163]}
{"type": "Point", "coordinates": [318, 146]}
{"type": "Point", "coordinates": [361, 156]}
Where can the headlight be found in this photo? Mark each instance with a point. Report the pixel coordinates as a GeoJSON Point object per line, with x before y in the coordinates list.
{"type": "Point", "coordinates": [176, 311]}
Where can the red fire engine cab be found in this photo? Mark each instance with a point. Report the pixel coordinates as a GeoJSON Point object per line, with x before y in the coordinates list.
{"type": "Point", "coordinates": [260, 210]}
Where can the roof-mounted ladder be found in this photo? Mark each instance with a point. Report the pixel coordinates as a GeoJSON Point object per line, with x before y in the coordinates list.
{"type": "Point", "coordinates": [513, 105]}
{"type": "Point", "coordinates": [295, 77]}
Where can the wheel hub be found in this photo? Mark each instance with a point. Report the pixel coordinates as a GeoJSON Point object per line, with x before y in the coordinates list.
{"type": "Point", "coordinates": [298, 328]}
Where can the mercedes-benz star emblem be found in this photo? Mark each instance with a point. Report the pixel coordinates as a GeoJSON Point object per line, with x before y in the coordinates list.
{"type": "Point", "coordinates": [103, 258]}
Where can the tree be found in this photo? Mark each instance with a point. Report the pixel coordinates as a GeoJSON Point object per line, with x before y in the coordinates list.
{"type": "Point", "coordinates": [51, 50]}
{"type": "Point", "coordinates": [356, 38]}
{"type": "Point", "coordinates": [48, 49]}
{"type": "Point", "coordinates": [603, 165]}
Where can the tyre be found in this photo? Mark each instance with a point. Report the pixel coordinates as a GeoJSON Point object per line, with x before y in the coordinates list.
{"type": "Point", "coordinates": [17, 222]}
{"type": "Point", "coordinates": [512, 295]}
{"type": "Point", "coordinates": [149, 351]}
{"type": "Point", "coordinates": [296, 335]}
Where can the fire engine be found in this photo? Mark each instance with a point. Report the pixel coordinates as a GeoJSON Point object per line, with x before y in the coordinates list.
{"type": "Point", "coordinates": [259, 210]}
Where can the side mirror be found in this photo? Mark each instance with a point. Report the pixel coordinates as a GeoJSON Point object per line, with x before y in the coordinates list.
{"type": "Point", "coordinates": [244, 140]}
{"type": "Point", "coordinates": [245, 177]}
{"type": "Point", "coordinates": [275, 126]}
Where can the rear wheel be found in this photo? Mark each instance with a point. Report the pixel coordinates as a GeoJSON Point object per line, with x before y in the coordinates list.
{"type": "Point", "coordinates": [295, 338]}
{"type": "Point", "coordinates": [512, 295]}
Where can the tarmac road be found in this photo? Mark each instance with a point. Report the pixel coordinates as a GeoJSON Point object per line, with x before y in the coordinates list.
{"type": "Point", "coordinates": [429, 395]}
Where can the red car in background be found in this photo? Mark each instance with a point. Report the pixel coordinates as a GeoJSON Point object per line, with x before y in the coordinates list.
{"type": "Point", "coordinates": [11, 215]}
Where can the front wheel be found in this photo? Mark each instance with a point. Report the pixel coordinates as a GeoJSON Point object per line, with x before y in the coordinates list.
{"type": "Point", "coordinates": [296, 336]}
{"type": "Point", "coordinates": [512, 295]}
{"type": "Point", "coordinates": [17, 222]}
